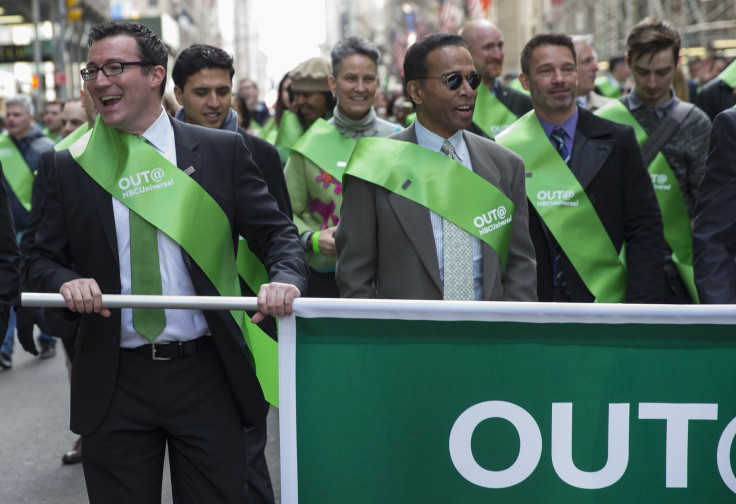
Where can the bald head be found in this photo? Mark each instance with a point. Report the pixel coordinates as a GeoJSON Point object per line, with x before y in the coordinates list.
{"type": "Point", "coordinates": [485, 43]}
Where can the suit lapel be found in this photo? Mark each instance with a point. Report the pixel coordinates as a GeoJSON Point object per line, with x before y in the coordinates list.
{"type": "Point", "coordinates": [416, 223]}
{"type": "Point", "coordinates": [590, 151]}
{"type": "Point", "coordinates": [188, 157]}
{"type": "Point", "coordinates": [103, 201]}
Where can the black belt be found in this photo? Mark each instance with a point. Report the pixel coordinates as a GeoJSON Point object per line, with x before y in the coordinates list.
{"type": "Point", "coordinates": [175, 349]}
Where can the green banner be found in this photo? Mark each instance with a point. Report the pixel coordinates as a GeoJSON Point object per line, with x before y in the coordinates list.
{"type": "Point", "coordinates": [470, 404]}
{"type": "Point", "coordinates": [326, 147]}
{"type": "Point", "coordinates": [490, 114]}
{"type": "Point", "coordinates": [434, 181]}
{"type": "Point", "coordinates": [675, 218]}
{"type": "Point", "coordinates": [16, 170]}
{"type": "Point", "coordinates": [72, 137]}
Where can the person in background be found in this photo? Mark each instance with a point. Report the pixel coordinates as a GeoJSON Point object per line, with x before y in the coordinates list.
{"type": "Point", "coordinates": [315, 190]}
{"type": "Point", "coordinates": [202, 76]}
{"type": "Point", "coordinates": [20, 152]}
{"type": "Point", "coordinates": [248, 91]}
{"type": "Point", "coordinates": [51, 119]}
{"type": "Point", "coordinates": [612, 85]}
{"type": "Point", "coordinates": [587, 98]}
{"type": "Point", "coordinates": [498, 105]}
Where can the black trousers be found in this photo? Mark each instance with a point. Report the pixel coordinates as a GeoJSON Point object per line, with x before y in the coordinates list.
{"type": "Point", "coordinates": [185, 404]}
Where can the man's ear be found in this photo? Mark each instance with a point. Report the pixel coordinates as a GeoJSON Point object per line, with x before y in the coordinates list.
{"type": "Point", "coordinates": [177, 94]}
{"type": "Point", "coordinates": [524, 79]}
{"type": "Point", "coordinates": [158, 74]}
{"type": "Point", "coordinates": [415, 91]}
{"type": "Point", "coordinates": [332, 83]}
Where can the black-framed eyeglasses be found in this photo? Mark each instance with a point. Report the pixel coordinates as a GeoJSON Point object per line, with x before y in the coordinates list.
{"type": "Point", "coordinates": [455, 80]}
{"type": "Point", "coordinates": [109, 69]}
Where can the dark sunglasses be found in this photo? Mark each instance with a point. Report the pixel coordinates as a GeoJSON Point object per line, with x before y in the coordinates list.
{"type": "Point", "coordinates": [455, 80]}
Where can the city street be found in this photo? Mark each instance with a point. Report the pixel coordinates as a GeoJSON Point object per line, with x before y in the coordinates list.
{"type": "Point", "coordinates": [34, 433]}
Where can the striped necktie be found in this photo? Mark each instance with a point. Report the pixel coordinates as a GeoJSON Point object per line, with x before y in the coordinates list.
{"type": "Point", "coordinates": [558, 139]}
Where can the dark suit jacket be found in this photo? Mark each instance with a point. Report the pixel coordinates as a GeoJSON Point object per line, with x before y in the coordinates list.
{"type": "Point", "coordinates": [9, 261]}
{"type": "Point", "coordinates": [607, 162]}
{"type": "Point", "coordinates": [78, 230]}
{"type": "Point", "coordinates": [714, 232]}
{"type": "Point", "coordinates": [385, 244]}
{"type": "Point", "coordinates": [715, 97]}
{"type": "Point", "coordinates": [517, 102]}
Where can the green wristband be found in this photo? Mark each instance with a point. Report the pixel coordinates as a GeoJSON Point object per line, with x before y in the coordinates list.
{"type": "Point", "coordinates": [315, 242]}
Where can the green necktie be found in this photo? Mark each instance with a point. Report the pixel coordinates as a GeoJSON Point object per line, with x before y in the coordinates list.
{"type": "Point", "coordinates": [145, 276]}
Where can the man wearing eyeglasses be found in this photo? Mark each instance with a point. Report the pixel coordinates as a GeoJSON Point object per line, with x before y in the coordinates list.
{"type": "Point", "coordinates": [588, 190]}
{"type": "Point", "coordinates": [145, 204]}
{"type": "Point", "coordinates": [393, 245]}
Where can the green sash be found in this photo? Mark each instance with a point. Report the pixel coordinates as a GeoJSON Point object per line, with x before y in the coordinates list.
{"type": "Point", "coordinates": [16, 170]}
{"type": "Point", "coordinates": [439, 183]}
{"type": "Point", "coordinates": [289, 132]}
{"type": "Point", "coordinates": [565, 208]}
{"type": "Point", "coordinates": [728, 75]}
{"type": "Point", "coordinates": [269, 131]}
{"type": "Point", "coordinates": [606, 87]}
{"type": "Point", "coordinates": [490, 114]}
{"type": "Point", "coordinates": [72, 137]}
{"type": "Point", "coordinates": [323, 145]}
{"type": "Point", "coordinates": [675, 218]}
{"type": "Point", "coordinates": [143, 180]}
{"type": "Point", "coordinates": [47, 133]}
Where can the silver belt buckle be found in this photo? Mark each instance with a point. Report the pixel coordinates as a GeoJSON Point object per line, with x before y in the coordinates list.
{"type": "Point", "coordinates": [153, 354]}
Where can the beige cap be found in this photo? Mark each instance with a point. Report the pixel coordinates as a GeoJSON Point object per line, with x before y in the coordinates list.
{"type": "Point", "coordinates": [311, 75]}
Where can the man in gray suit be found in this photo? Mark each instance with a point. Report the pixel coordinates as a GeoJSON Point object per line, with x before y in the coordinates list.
{"type": "Point", "coordinates": [389, 246]}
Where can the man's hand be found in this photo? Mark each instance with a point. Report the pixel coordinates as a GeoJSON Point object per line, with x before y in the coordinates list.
{"type": "Point", "coordinates": [24, 326]}
{"type": "Point", "coordinates": [275, 299]}
{"type": "Point", "coordinates": [326, 241]}
{"type": "Point", "coordinates": [83, 295]}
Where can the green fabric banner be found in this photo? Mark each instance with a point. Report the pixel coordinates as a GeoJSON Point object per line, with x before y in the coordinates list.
{"type": "Point", "coordinates": [269, 131]}
{"type": "Point", "coordinates": [456, 407]}
{"type": "Point", "coordinates": [606, 87]}
{"type": "Point", "coordinates": [16, 170]}
{"type": "Point", "coordinates": [728, 75]}
{"type": "Point", "coordinates": [323, 144]}
{"type": "Point", "coordinates": [490, 114]}
{"type": "Point", "coordinates": [289, 132]}
{"type": "Point", "coordinates": [71, 137]}
{"type": "Point", "coordinates": [157, 190]}
{"type": "Point", "coordinates": [565, 208]}
{"type": "Point", "coordinates": [675, 218]}
{"type": "Point", "coordinates": [435, 181]}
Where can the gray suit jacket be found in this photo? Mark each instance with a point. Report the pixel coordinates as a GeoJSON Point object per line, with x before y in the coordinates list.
{"type": "Point", "coordinates": [385, 243]}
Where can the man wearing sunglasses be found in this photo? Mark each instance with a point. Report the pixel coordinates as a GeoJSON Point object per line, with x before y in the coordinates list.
{"type": "Point", "coordinates": [498, 105]}
{"type": "Point", "coordinates": [392, 243]}
{"type": "Point", "coordinates": [145, 204]}
{"type": "Point", "coordinates": [589, 192]}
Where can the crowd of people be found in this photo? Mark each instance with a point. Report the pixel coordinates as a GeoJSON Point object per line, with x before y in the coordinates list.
{"type": "Point", "coordinates": [558, 186]}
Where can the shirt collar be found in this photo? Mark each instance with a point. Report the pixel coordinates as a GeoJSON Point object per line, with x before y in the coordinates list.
{"type": "Point", "coordinates": [661, 110]}
{"type": "Point", "coordinates": [158, 133]}
{"type": "Point", "coordinates": [568, 126]}
{"type": "Point", "coordinates": [433, 141]}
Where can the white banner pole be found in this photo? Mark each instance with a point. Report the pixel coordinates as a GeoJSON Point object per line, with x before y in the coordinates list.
{"type": "Point", "coordinates": [169, 302]}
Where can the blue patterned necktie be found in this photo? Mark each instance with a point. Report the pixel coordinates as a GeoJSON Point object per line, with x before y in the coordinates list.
{"type": "Point", "coordinates": [558, 139]}
{"type": "Point", "coordinates": [457, 253]}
